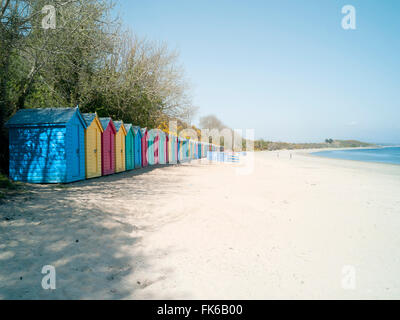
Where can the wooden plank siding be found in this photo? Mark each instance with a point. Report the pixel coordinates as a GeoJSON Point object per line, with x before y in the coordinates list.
{"type": "Point", "coordinates": [171, 148]}
{"type": "Point", "coordinates": [150, 146]}
{"type": "Point", "coordinates": [93, 148]}
{"type": "Point", "coordinates": [120, 146]}
{"type": "Point", "coordinates": [107, 146]}
{"type": "Point", "coordinates": [145, 146]}
{"type": "Point", "coordinates": [47, 145]}
{"type": "Point", "coordinates": [167, 148]}
{"type": "Point", "coordinates": [162, 149]}
{"type": "Point", "coordinates": [138, 146]}
{"type": "Point", "coordinates": [157, 147]}
{"type": "Point", "coordinates": [37, 154]}
{"type": "Point", "coordinates": [129, 147]}
{"type": "Point", "coordinates": [75, 149]}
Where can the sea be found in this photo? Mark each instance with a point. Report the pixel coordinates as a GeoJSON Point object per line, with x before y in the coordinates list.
{"type": "Point", "coordinates": [385, 154]}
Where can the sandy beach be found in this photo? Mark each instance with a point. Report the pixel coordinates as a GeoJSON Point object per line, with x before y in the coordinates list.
{"type": "Point", "coordinates": [201, 231]}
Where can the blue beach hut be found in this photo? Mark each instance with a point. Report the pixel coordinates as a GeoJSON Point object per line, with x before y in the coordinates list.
{"type": "Point", "coordinates": [179, 149]}
{"type": "Point", "coordinates": [145, 146]}
{"type": "Point", "coordinates": [47, 145]}
{"type": "Point", "coordinates": [199, 146]}
{"type": "Point", "coordinates": [185, 149]}
{"type": "Point", "coordinates": [137, 146]}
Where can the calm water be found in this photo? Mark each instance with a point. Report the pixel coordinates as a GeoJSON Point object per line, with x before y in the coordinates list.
{"type": "Point", "coordinates": [386, 155]}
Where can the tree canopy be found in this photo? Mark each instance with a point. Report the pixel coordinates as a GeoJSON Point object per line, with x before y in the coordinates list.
{"type": "Point", "coordinates": [88, 59]}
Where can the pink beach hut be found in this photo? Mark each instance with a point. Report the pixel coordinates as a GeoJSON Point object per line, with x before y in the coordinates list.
{"type": "Point", "coordinates": [156, 147]}
{"type": "Point", "coordinates": [176, 148]}
{"type": "Point", "coordinates": [107, 146]}
{"type": "Point", "coordinates": [166, 148]}
{"type": "Point", "coordinates": [145, 138]}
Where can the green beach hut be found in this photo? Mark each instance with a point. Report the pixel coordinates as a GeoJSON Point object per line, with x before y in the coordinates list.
{"type": "Point", "coordinates": [129, 147]}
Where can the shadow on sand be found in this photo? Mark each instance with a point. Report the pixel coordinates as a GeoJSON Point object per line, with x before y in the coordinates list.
{"type": "Point", "coordinates": [89, 231]}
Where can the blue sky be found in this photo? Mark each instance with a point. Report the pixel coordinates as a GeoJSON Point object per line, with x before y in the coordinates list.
{"type": "Point", "coordinates": [285, 68]}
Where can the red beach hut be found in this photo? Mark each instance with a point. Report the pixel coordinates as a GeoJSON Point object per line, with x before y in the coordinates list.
{"type": "Point", "coordinates": [166, 148]}
{"type": "Point", "coordinates": [157, 148]}
{"type": "Point", "coordinates": [107, 146]}
{"type": "Point", "coordinates": [176, 148]}
{"type": "Point", "coordinates": [145, 138]}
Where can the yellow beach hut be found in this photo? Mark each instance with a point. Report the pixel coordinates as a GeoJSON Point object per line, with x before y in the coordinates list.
{"type": "Point", "coordinates": [92, 145]}
{"type": "Point", "coordinates": [120, 146]}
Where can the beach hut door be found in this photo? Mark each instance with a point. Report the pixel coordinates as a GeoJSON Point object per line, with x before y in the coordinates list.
{"type": "Point", "coordinates": [130, 152]}
{"type": "Point", "coordinates": [95, 150]}
{"type": "Point", "coordinates": [122, 154]}
{"type": "Point", "coordinates": [110, 147]}
{"type": "Point", "coordinates": [76, 153]}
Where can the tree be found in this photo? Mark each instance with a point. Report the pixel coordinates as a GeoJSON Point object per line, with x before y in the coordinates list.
{"type": "Point", "coordinates": [87, 59]}
{"type": "Point", "coordinates": [211, 122]}
{"type": "Point", "coordinates": [32, 57]}
{"type": "Point", "coordinates": [140, 82]}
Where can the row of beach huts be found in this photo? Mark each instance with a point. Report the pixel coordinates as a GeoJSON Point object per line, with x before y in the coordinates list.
{"type": "Point", "coordinates": [62, 145]}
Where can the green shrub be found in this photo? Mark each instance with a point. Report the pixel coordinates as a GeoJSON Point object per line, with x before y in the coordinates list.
{"type": "Point", "coordinates": [5, 183]}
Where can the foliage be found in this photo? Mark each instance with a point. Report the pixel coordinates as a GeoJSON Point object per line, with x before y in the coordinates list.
{"type": "Point", "coordinates": [5, 183]}
{"type": "Point", "coordinates": [89, 60]}
{"type": "Point", "coordinates": [211, 122]}
{"type": "Point", "coordinates": [329, 143]}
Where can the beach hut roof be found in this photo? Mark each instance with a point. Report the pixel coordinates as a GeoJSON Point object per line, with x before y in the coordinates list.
{"type": "Point", "coordinates": [90, 117]}
{"type": "Point", "coordinates": [128, 126]}
{"type": "Point", "coordinates": [105, 121]}
{"type": "Point", "coordinates": [136, 130]}
{"type": "Point", "coordinates": [120, 125]}
{"type": "Point", "coordinates": [40, 117]}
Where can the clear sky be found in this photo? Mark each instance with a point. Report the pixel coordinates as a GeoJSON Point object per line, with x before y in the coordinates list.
{"type": "Point", "coordinates": [285, 68]}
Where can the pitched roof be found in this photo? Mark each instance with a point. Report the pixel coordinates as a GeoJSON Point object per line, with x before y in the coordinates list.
{"type": "Point", "coordinates": [119, 125]}
{"type": "Point", "coordinates": [104, 122]}
{"type": "Point", "coordinates": [89, 117]}
{"type": "Point", "coordinates": [136, 130]}
{"type": "Point", "coordinates": [128, 126]}
{"type": "Point", "coordinates": [48, 116]}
